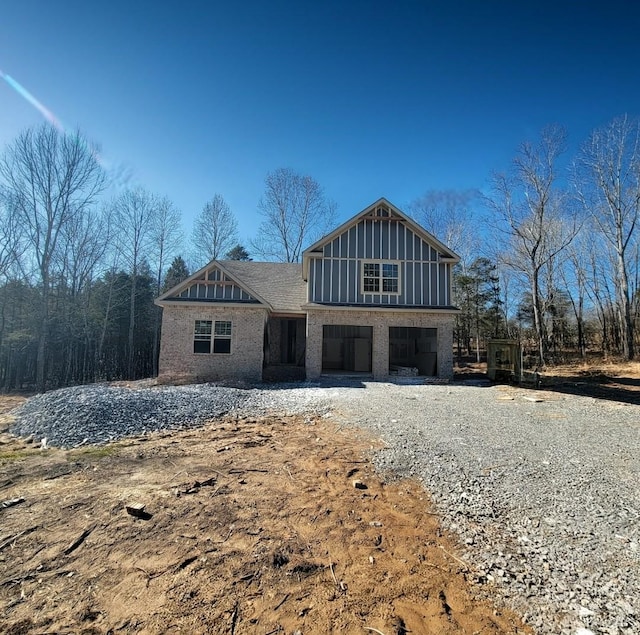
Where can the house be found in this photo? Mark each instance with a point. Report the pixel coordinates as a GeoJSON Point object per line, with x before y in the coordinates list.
{"type": "Point", "coordinates": [372, 297]}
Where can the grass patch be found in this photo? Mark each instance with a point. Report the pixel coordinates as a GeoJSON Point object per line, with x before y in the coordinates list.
{"type": "Point", "coordinates": [15, 455]}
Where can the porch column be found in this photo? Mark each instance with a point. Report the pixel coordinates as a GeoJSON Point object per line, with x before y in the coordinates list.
{"type": "Point", "coordinates": [380, 348]}
{"type": "Point", "coordinates": [313, 361]}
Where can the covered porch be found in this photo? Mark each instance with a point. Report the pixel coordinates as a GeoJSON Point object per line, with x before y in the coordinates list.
{"type": "Point", "coordinates": [285, 345]}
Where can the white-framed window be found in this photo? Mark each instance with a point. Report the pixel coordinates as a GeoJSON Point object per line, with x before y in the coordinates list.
{"type": "Point", "coordinates": [222, 336]}
{"type": "Point", "coordinates": [212, 337]}
{"type": "Point", "coordinates": [202, 336]}
{"type": "Point", "coordinates": [381, 277]}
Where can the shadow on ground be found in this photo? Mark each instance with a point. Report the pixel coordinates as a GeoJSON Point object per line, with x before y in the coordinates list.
{"type": "Point", "coordinates": [598, 386]}
{"type": "Point", "coordinates": [593, 382]}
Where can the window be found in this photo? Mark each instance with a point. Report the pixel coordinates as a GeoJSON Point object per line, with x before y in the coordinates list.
{"type": "Point", "coordinates": [206, 332]}
{"type": "Point", "coordinates": [381, 277]}
{"type": "Point", "coordinates": [389, 278]}
{"type": "Point", "coordinates": [202, 336]}
{"type": "Point", "coordinates": [371, 277]}
{"type": "Point", "coordinates": [222, 337]}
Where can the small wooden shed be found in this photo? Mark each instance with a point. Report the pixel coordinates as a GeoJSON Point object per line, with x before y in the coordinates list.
{"type": "Point", "coordinates": [504, 360]}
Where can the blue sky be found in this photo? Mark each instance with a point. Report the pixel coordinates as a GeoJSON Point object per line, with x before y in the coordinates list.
{"type": "Point", "coordinates": [370, 98]}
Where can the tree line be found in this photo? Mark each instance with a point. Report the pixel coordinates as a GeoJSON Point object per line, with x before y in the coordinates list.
{"type": "Point", "coordinates": [549, 252]}
{"type": "Point", "coordinates": [79, 270]}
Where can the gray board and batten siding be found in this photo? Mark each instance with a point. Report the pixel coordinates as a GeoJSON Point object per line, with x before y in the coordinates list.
{"type": "Point", "coordinates": [215, 286]}
{"type": "Point", "coordinates": [335, 272]}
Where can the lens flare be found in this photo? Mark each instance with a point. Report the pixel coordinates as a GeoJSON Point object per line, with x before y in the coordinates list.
{"type": "Point", "coordinates": [120, 176]}
{"type": "Point", "coordinates": [23, 92]}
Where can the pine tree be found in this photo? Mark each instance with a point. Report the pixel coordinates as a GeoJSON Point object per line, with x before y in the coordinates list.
{"type": "Point", "coordinates": [177, 272]}
{"type": "Point", "coordinates": [238, 253]}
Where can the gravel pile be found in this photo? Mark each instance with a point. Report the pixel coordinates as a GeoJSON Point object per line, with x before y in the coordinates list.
{"type": "Point", "coordinates": [100, 413]}
{"type": "Point", "coordinates": [544, 495]}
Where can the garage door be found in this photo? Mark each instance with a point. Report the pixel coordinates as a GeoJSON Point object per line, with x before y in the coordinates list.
{"type": "Point", "coordinates": [346, 348]}
{"type": "Point", "coordinates": [413, 347]}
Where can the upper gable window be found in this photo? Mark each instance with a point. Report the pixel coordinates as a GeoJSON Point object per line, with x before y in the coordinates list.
{"type": "Point", "coordinates": [380, 277]}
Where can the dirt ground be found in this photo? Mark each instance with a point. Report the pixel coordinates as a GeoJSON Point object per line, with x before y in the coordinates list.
{"type": "Point", "coordinates": [613, 380]}
{"type": "Point", "coordinates": [250, 526]}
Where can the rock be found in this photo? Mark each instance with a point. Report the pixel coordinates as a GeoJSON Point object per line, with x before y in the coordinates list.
{"type": "Point", "coordinates": [626, 607]}
{"type": "Point", "coordinates": [585, 612]}
{"type": "Point", "coordinates": [359, 485]}
{"type": "Point", "coordinates": [136, 509]}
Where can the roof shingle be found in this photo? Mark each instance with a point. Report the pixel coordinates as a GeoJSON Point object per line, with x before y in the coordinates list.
{"type": "Point", "coordinates": [279, 283]}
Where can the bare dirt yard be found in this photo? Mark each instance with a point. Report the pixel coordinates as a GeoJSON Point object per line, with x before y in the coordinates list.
{"type": "Point", "coordinates": [615, 380]}
{"type": "Point", "coordinates": [249, 526]}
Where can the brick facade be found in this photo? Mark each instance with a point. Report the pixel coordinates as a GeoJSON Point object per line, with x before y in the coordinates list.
{"type": "Point", "coordinates": [245, 362]}
{"type": "Point", "coordinates": [380, 321]}
{"type": "Point", "coordinates": [178, 361]}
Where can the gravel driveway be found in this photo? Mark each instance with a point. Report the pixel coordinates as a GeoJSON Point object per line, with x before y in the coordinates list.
{"type": "Point", "coordinates": [544, 493]}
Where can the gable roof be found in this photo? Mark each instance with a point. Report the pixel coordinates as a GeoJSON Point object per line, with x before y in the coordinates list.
{"type": "Point", "coordinates": [393, 212]}
{"type": "Point", "coordinates": [275, 285]}
{"type": "Point", "coordinates": [279, 283]}
{"type": "Point", "coordinates": [203, 274]}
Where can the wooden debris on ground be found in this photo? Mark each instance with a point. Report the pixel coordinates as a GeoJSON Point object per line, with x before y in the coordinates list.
{"type": "Point", "coordinates": [11, 502]}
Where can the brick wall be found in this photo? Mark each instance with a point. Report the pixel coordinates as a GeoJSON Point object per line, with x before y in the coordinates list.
{"type": "Point", "coordinates": [178, 361]}
{"type": "Point", "coordinates": [380, 321]}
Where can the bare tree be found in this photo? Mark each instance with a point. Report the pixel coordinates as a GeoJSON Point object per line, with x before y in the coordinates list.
{"type": "Point", "coordinates": [52, 178]}
{"type": "Point", "coordinates": [608, 184]}
{"type": "Point", "coordinates": [531, 211]}
{"type": "Point", "coordinates": [599, 292]}
{"type": "Point", "coordinates": [133, 213]}
{"type": "Point", "coordinates": [574, 273]}
{"type": "Point", "coordinates": [295, 213]}
{"type": "Point", "coordinates": [449, 215]}
{"type": "Point", "coordinates": [11, 234]}
{"type": "Point", "coordinates": [508, 284]}
{"type": "Point", "coordinates": [85, 240]}
{"type": "Point", "coordinates": [166, 239]}
{"type": "Point", "coordinates": [215, 231]}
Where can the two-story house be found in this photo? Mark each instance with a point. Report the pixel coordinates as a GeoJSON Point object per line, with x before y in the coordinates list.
{"type": "Point", "coordinates": [372, 297]}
